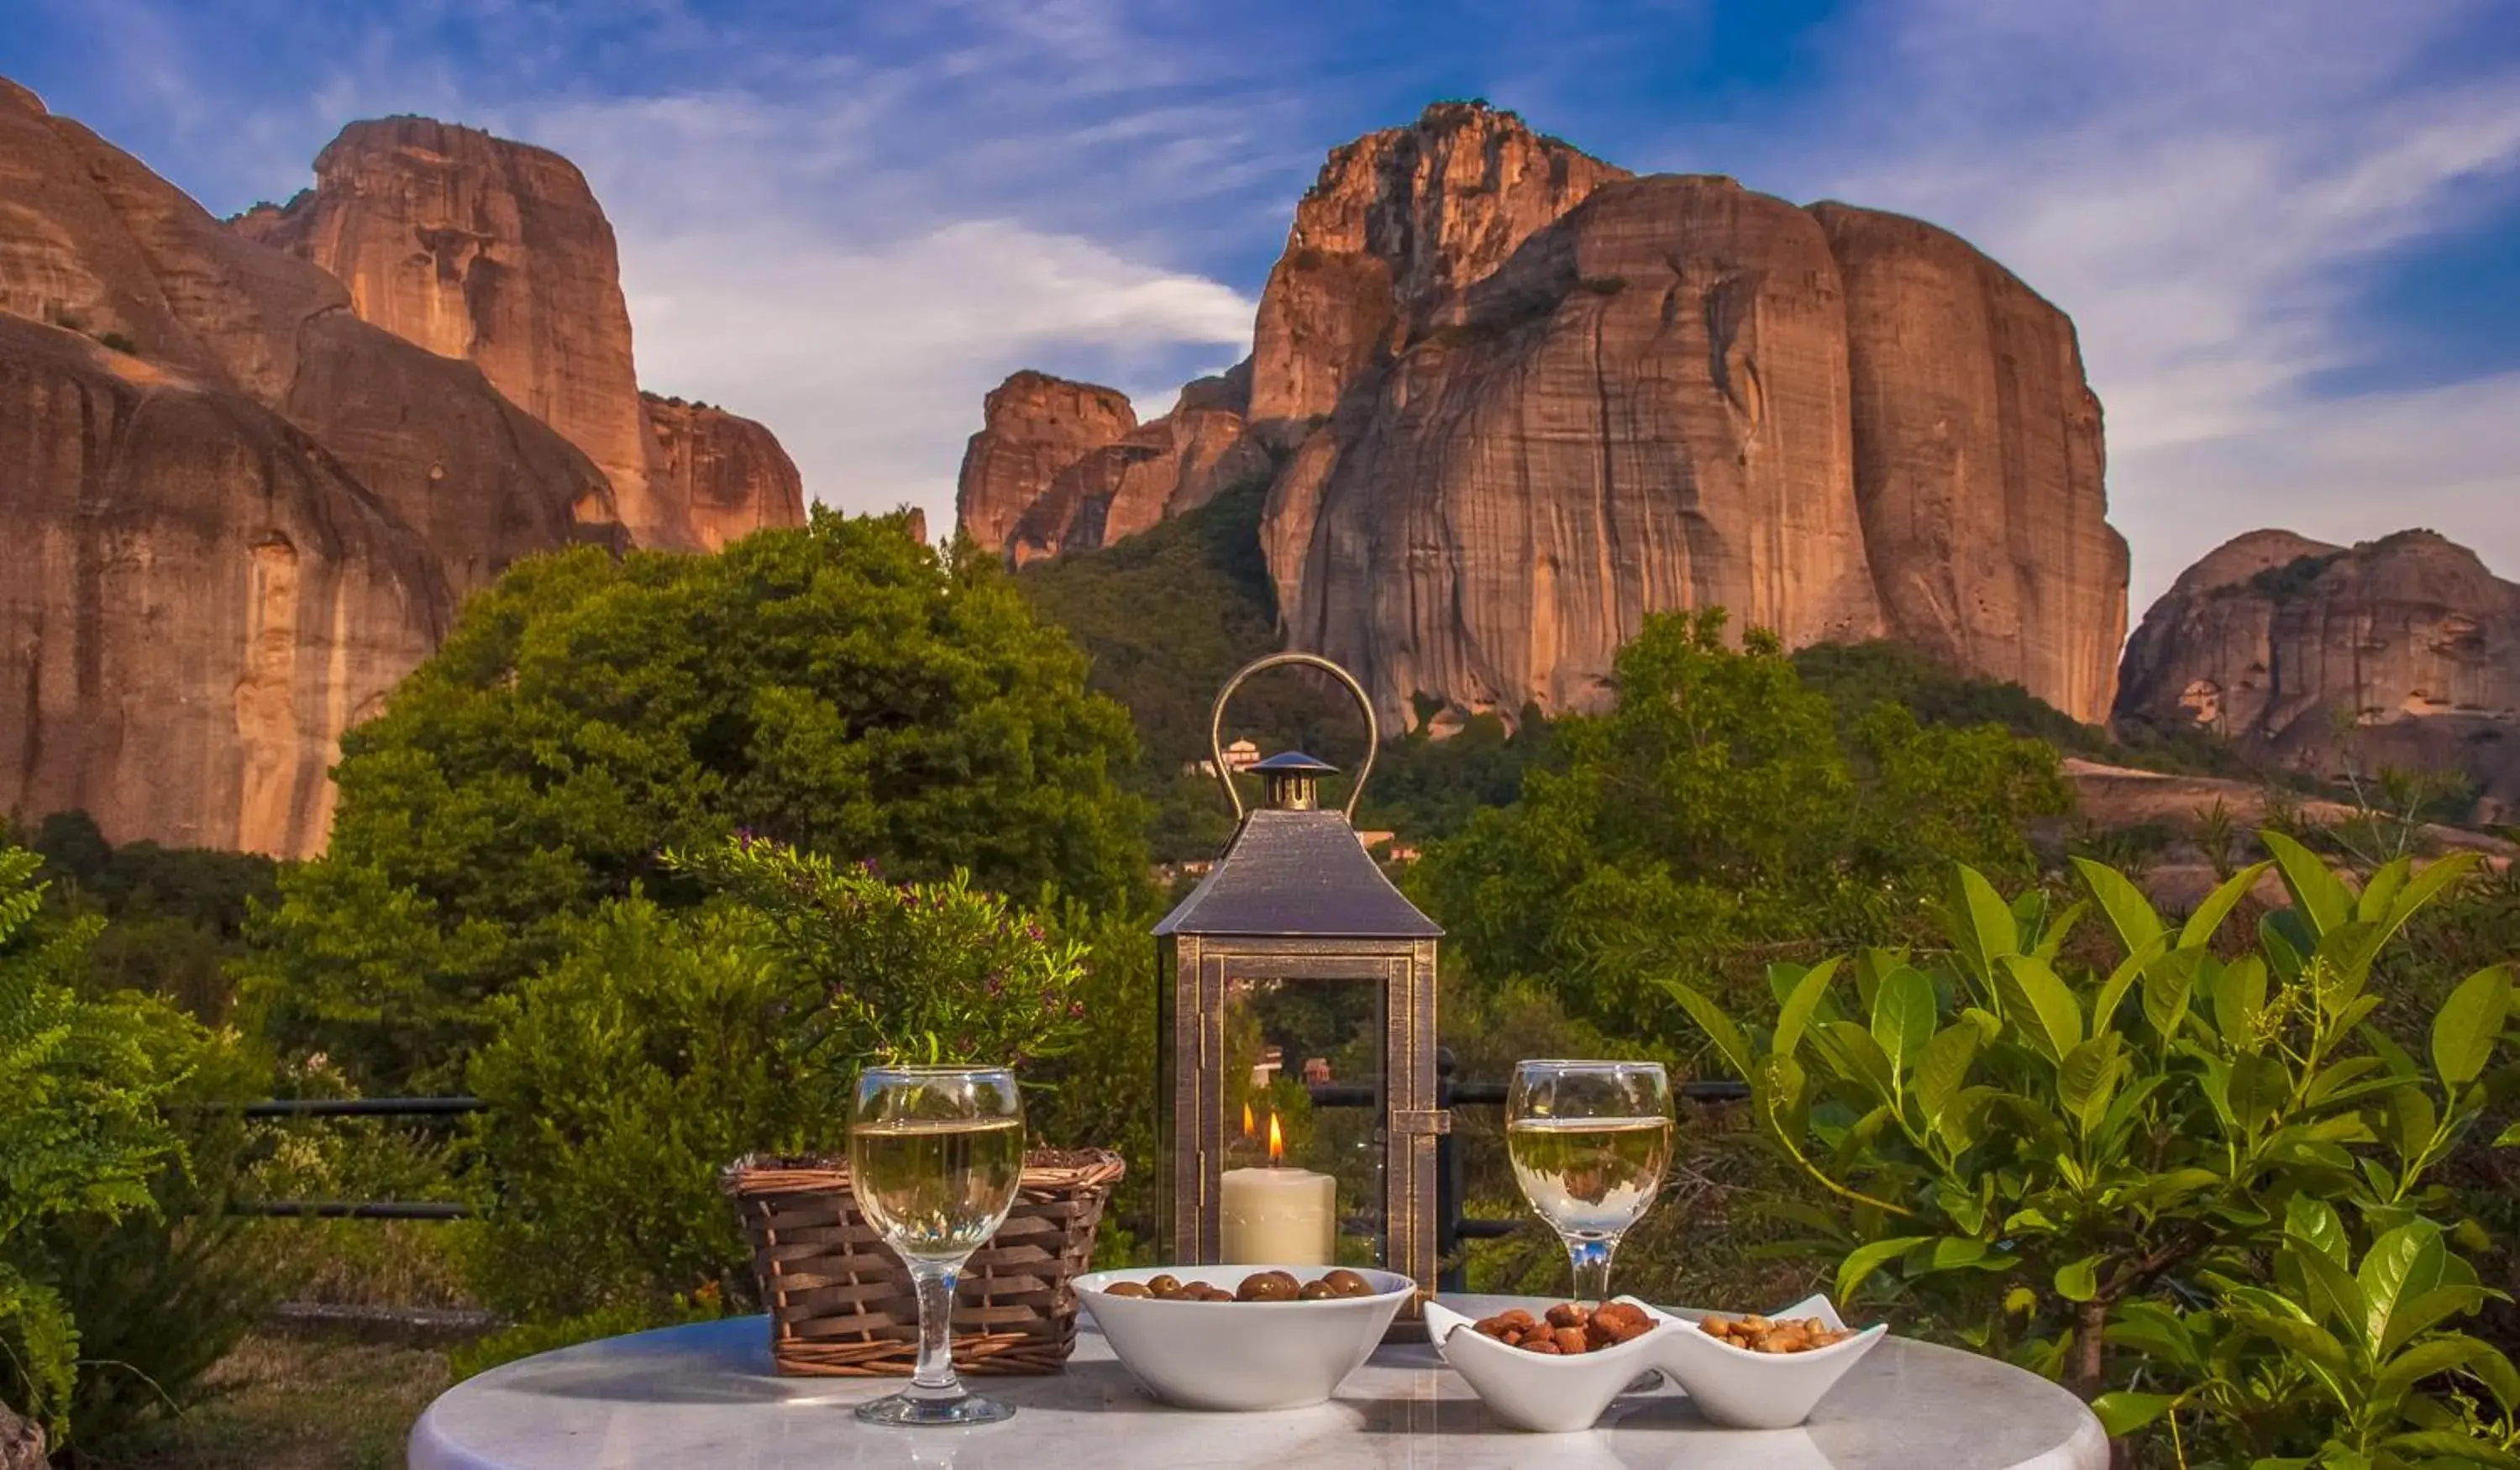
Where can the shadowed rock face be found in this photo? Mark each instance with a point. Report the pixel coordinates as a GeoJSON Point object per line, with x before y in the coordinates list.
{"type": "Point", "coordinates": [1518, 399]}
{"type": "Point", "coordinates": [2403, 651]}
{"type": "Point", "coordinates": [222, 546]}
{"type": "Point", "coordinates": [196, 600]}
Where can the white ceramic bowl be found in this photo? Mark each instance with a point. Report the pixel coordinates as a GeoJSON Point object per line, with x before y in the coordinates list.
{"type": "Point", "coordinates": [1241, 1356]}
{"type": "Point", "coordinates": [1731, 1386]}
{"type": "Point", "coordinates": [1745, 1390]}
{"type": "Point", "coordinates": [1537, 1391]}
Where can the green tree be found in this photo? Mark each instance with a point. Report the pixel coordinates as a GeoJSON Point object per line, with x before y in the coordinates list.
{"type": "Point", "coordinates": [80, 1132]}
{"type": "Point", "coordinates": [839, 687]}
{"type": "Point", "coordinates": [1718, 813]}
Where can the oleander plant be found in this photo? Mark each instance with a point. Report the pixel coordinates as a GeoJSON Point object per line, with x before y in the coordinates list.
{"type": "Point", "coordinates": [2177, 1167]}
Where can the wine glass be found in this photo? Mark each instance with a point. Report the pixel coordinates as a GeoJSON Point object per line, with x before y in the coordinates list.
{"type": "Point", "coordinates": [934, 1157]}
{"type": "Point", "coordinates": [1590, 1141]}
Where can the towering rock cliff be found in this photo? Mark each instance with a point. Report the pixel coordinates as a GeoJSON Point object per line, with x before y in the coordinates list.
{"type": "Point", "coordinates": [2403, 651]}
{"type": "Point", "coordinates": [496, 252]}
{"type": "Point", "coordinates": [234, 513]}
{"type": "Point", "coordinates": [231, 513]}
{"type": "Point", "coordinates": [1518, 399]}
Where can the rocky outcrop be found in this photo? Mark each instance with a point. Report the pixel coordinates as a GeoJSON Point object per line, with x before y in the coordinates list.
{"type": "Point", "coordinates": [1517, 399]}
{"type": "Point", "coordinates": [2398, 652]}
{"type": "Point", "coordinates": [1642, 408]}
{"type": "Point", "coordinates": [727, 473]}
{"type": "Point", "coordinates": [496, 252]}
{"type": "Point", "coordinates": [232, 515]}
{"type": "Point", "coordinates": [196, 600]}
{"type": "Point", "coordinates": [1033, 426]}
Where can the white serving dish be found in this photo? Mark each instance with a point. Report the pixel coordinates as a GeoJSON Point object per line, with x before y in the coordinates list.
{"type": "Point", "coordinates": [1731, 1386]}
{"type": "Point", "coordinates": [1241, 1356]}
{"type": "Point", "coordinates": [1535, 1391]}
{"type": "Point", "coordinates": [1745, 1390]}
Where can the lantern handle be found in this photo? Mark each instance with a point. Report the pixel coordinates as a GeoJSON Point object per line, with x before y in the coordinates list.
{"type": "Point", "coordinates": [1216, 722]}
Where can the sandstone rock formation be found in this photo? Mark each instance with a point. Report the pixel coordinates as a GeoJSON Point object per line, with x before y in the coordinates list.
{"type": "Point", "coordinates": [1518, 399]}
{"type": "Point", "coordinates": [232, 515]}
{"type": "Point", "coordinates": [2403, 651]}
{"type": "Point", "coordinates": [1033, 425]}
{"type": "Point", "coordinates": [727, 475]}
{"type": "Point", "coordinates": [496, 252]}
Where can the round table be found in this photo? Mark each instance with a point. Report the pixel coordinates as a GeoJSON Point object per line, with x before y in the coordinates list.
{"type": "Point", "coordinates": [705, 1396]}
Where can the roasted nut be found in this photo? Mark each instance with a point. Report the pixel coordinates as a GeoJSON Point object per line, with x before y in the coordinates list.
{"type": "Point", "coordinates": [1126, 1290]}
{"type": "Point", "coordinates": [1268, 1286]}
{"type": "Point", "coordinates": [1757, 1334]}
{"type": "Point", "coordinates": [1163, 1285]}
{"type": "Point", "coordinates": [1569, 1314]}
{"type": "Point", "coordinates": [1569, 1340]}
{"type": "Point", "coordinates": [1538, 1343]}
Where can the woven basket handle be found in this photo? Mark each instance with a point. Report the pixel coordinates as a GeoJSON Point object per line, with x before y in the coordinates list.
{"type": "Point", "coordinates": [1216, 723]}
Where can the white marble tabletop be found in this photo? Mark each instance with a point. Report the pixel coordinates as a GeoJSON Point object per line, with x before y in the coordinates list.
{"type": "Point", "coordinates": [705, 1395]}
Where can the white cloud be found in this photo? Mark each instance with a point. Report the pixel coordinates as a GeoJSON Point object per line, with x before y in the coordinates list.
{"type": "Point", "coordinates": [800, 263]}
{"type": "Point", "coordinates": [2203, 188]}
{"type": "Point", "coordinates": [870, 362]}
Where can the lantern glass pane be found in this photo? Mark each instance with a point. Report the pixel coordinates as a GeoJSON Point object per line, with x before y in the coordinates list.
{"type": "Point", "coordinates": [1310, 1055]}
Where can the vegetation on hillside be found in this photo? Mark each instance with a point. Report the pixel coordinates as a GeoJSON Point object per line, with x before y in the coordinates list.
{"type": "Point", "coordinates": [1717, 813]}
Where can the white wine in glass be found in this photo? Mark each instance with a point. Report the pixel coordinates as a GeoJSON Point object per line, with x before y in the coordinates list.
{"type": "Point", "coordinates": [1590, 1141]}
{"type": "Point", "coordinates": [935, 1154]}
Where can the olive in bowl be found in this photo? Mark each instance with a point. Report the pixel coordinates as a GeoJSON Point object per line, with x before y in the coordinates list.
{"type": "Point", "coordinates": [1243, 1337]}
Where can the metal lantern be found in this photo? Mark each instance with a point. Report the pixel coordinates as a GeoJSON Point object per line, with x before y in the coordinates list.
{"type": "Point", "coordinates": [1303, 985]}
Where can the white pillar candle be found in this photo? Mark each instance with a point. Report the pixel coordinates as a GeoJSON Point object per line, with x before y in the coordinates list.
{"type": "Point", "coordinates": [1278, 1216]}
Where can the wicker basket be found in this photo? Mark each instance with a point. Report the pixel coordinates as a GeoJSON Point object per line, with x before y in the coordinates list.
{"type": "Point", "coordinates": [841, 1304]}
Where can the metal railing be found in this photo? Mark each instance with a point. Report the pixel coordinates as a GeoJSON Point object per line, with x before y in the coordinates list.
{"type": "Point", "coordinates": [1452, 1228]}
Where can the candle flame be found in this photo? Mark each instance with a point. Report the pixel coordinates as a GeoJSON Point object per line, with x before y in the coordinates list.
{"type": "Point", "coordinates": [1248, 1131]}
{"type": "Point", "coordinates": [1277, 1143]}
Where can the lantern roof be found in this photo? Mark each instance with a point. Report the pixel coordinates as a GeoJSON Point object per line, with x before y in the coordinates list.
{"type": "Point", "coordinates": [1297, 874]}
{"type": "Point", "coordinates": [1294, 760]}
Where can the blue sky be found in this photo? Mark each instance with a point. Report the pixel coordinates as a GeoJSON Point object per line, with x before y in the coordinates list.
{"type": "Point", "coordinates": [2287, 230]}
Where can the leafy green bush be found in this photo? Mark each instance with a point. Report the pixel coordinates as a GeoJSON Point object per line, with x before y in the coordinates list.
{"type": "Point", "coordinates": [81, 1137]}
{"type": "Point", "coordinates": [886, 972]}
{"type": "Point", "coordinates": [665, 1045]}
{"type": "Point", "coordinates": [839, 686]}
{"type": "Point", "coordinates": [1718, 814]}
{"type": "Point", "coordinates": [620, 1081]}
{"type": "Point", "coordinates": [2197, 1176]}
{"type": "Point", "coordinates": [162, 1295]}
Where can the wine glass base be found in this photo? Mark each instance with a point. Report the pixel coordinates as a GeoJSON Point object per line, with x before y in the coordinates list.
{"type": "Point", "coordinates": [903, 1409]}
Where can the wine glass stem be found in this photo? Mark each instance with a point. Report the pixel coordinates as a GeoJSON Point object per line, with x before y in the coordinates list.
{"type": "Point", "coordinates": [1590, 1258]}
{"type": "Point", "coordinates": [935, 1378]}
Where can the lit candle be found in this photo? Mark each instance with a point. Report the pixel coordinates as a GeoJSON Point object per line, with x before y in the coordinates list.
{"type": "Point", "coordinates": [1278, 1215]}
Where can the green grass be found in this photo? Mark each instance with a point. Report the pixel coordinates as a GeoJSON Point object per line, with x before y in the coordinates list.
{"type": "Point", "coordinates": [290, 1402]}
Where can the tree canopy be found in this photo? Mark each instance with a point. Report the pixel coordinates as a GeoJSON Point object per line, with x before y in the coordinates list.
{"type": "Point", "coordinates": [839, 687]}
